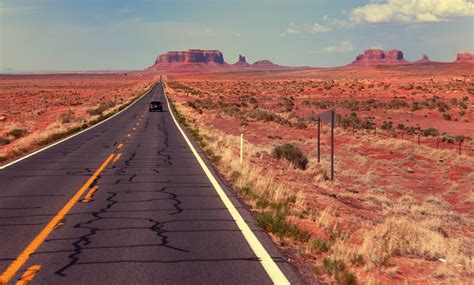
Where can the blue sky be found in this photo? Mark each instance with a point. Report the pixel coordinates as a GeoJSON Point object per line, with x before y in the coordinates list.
{"type": "Point", "coordinates": [44, 35]}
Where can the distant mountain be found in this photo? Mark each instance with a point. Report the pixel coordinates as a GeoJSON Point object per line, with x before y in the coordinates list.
{"type": "Point", "coordinates": [424, 59]}
{"type": "Point", "coordinates": [464, 58]}
{"type": "Point", "coordinates": [380, 57]}
{"type": "Point", "coordinates": [197, 60]}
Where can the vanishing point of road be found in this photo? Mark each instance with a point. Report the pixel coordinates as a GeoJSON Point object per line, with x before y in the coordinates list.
{"type": "Point", "coordinates": [129, 201]}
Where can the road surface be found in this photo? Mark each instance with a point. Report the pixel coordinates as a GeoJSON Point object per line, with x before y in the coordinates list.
{"type": "Point", "coordinates": [129, 202]}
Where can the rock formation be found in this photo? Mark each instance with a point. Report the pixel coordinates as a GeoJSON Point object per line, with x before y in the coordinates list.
{"type": "Point", "coordinates": [424, 59]}
{"type": "Point", "coordinates": [264, 62]}
{"type": "Point", "coordinates": [241, 62]}
{"type": "Point", "coordinates": [197, 60]}
{"type": "Point", "coordinates": [191, 56]}
{"type": "Point", "coordinates": [465, 58]}
{"type": "Point", "coordinates": [380, 57]}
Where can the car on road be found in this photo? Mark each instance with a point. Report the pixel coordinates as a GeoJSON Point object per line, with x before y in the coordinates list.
{"type": "Point", "coordinates": [155, 106]}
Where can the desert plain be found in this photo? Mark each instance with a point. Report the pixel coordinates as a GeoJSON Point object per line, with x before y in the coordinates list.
{"type": "Point", "coordinates": [400, 207]}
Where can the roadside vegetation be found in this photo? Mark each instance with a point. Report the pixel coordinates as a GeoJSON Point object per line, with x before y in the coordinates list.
{"type": "Point", "coordinates": [54, 115]}
{"type": "Point", "coordinates": [370, 224]}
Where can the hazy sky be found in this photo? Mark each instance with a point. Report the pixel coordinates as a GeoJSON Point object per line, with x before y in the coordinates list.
{"type": "Point", "coordinates": [40, 35]}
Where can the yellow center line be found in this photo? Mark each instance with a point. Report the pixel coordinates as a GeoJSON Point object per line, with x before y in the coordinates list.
{"type": "Point", "coordinates": [90, 194]}
{"type": "Point", "coordinates": [29, 274]}
{"type": "Point", "coordinates": [39, 239]}
{"type": "Point", "coordinates": [128, 135]}
{"type": "Point", "coordinates": [117, 158]}
{"type": "Point", "coordinates": [134, 128]}
{"type": "Point", "coordinates": [120, 146]}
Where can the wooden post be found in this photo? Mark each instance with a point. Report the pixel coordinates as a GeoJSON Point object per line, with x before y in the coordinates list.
{"type": "Point", "coordinates": [319, 140]}
{"type": "Point", "coordinates": [460, 142]}
{"type": "Point", "coordinates": [332, 143]}
{"type": "Point", "coordinates": [437, 142]}
{"type": "Point", "coordinates": [418, 139]}
{"type": "Point", "coordinates": [241, 148]}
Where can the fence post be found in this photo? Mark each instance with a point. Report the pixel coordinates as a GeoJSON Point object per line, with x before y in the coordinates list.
{"type": "Point", "coordinates": [332, 143]}
{"type": "Point", "coordinates": [319, 140]}
{"type": "Point", "coordinates": [418, 139]}
{"type": "Point", "coordinates": [241, 148]}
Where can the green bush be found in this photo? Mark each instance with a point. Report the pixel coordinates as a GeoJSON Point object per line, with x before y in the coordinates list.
{"type": "Point", "coordinates": [333, 267]}
{"type": "Point", "coordinates": [318, 245]}
{"type": "Point", "coordinates": [291, 153]}
{"type": "Point", "coordinates": [277, 224]}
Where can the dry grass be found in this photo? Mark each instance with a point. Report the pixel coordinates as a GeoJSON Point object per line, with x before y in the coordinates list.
{"type": "Point", "coordinates": [392, 222]}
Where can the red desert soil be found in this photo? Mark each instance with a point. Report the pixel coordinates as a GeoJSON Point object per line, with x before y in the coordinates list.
{"type": "Point", "coordinates": [397, 212]}
{"type": "Point", "coordinates": [34, 107]}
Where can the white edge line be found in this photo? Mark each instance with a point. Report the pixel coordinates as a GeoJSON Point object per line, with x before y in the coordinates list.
{"type": "Point", "coordinates": [267, 262]}
{"type": "Point", "coordinates": [78, 133]}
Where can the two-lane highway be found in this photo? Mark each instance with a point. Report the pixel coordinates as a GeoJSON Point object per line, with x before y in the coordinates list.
{"type": "Point", "coordinates": [130, 201]}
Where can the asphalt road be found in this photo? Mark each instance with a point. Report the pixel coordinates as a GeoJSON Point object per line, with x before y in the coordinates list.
{"type": "Point", "coordinates": [155, 217]}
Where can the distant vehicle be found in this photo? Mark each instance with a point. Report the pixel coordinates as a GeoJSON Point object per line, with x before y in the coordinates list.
{"type": "Point", "coordinates": [155, 106]}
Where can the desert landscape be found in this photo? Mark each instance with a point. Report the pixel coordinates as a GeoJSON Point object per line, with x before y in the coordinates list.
{"type": "Point", "coordinates": [38, 109]}
{"type": "Point", "coordinates": [400, 209]}
{"type": "Point", "coordinates": [237, 142]}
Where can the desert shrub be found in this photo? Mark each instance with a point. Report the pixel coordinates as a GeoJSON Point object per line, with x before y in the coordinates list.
{"type": "Point", "coordinates": [4, 141]}
{"type": "Point", "coordinates": [397, 103]}
{"type": "Point", "coordinates": [288, 104]}
{"type": "Point", "coordinates": [353, 120]}
{"type": "Point", "coordinates": [291, 153]}
{"type": "Point", "coordinates": [448, 138]}
{"type": "Point", "coordinates": [277, 224]}
{"type": "Point", "coordinates": [430, 132]}
{"type": "Point", "coordinates": [357, 259]}
{"type": "Point", "coordinates": [412, 130]}
{"type": "Point", "coordinates": [266, 116]}
{"type": "Point", "coordinates": [68, 117]}
{"type": "Point", "coordinates": [300, 124]}
{"type": "Point", "coordinates": [353, 105]}
{"type": "Point", "coordinates": [17, 133]}
{"type": "Point", "coordinates": [447, 117]}
{"type": "Point", "coordinates": [415, 106]}
{"type": "Point", "coordinates": [248, 192]}
{"type": "Point", "coordinates": [333, 267]}
{"type": "Point", "coordinates": [101, 108]}
{"type": "Point", "coordinates": [318, 245]}
{"type": "Point", "coordinates": [387, 125]}
{"type": "Point", "coordinates": [323, 105]}
{"type": "Point", "coordinates": [462, 105]}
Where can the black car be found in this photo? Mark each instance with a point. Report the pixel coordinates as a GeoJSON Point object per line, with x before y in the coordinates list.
{"type": "Point", "coordinates": [155, 106]}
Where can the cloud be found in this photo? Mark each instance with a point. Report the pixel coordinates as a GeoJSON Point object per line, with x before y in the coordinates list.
{"type": "Point", "coordinates": [412, 11]}
{"type": "Point", "coordinates": [317, 28]}
{"type": "Point", "coordinates": [292, 29]}
{"type": "Point", "coordinates": [343, 46]}
{"type": "Point", "coordinates": [330, 24]}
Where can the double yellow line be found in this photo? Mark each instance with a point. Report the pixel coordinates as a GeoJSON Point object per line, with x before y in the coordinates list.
{"type": "Point", "coordinates": [39, 239]}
